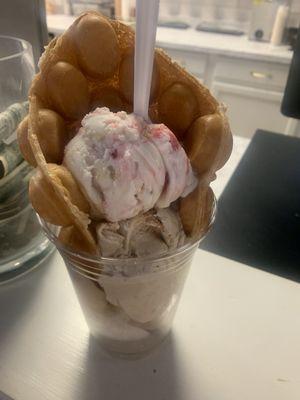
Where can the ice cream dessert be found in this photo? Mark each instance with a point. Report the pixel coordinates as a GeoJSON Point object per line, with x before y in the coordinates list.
{"type": "Point", "coordinates": [130, 198]}
{"type": "Point", "coordinates": [155, 232]}
{"type": "Point", "coordinates": [126, 167]}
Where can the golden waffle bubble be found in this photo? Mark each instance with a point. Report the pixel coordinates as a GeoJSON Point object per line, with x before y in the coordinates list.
{"type": "Point", "coordinates": [205, 142]}
{"type": "Point", "coordinates": [178, 107]}
{"type": "Point", "coordinates": [46, 201]}
{"type": "Point", "coordinates": [68, 90]}
{"type": "Point", "coordinates": [52, 144]}
{"type": "Point", "coordinates": [196, 209]}
{"type": "Point", "coordinates": [91, 65]}
{"type": "Point", "coordinates": [51, 134]}
{"type": "Point", "coordinates": [97, 46]}
{"type": "Point", "coordinates": [126, 78]}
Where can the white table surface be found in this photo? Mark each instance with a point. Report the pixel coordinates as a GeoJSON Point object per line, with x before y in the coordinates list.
{"type": "Point", "coordinates": [192, 40]}
{"type": "Point", "coordinates": [236, 336]}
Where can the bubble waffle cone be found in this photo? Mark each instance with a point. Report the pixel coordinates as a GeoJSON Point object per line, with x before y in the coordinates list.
{"type": "Point", "coordinates": [91, 65]}
{"type": "Point", "coordinates": [196, 210]}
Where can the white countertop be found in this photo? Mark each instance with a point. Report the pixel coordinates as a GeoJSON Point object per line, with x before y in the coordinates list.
{"type": "Point", "coordinates": [228, 45]}
{"type": "Point", "coordinates": [235, 337]}
{"type": "Point", "coordinates": [191, 40]}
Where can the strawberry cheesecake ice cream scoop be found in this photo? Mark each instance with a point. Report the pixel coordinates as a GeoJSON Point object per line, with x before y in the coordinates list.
{"type": "Point", "coordinates": [126, 166]}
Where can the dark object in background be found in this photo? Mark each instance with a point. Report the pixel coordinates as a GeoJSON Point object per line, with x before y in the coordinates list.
{"type": "Point", "coordinates": [258, 217]}
{"type": "Point", "coordinates": [25, 21]}
{"type": "Point", "coordinates": [173, 24]}
{"type": "Point", "coordinates": [217, 28]}
{"type": "Point", "coordinates": [290, 106]}
{"type": "Point", "coordinates": [290, 37]}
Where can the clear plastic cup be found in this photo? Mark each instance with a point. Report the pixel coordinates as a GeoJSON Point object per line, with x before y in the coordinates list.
{"type": "Point", "coordinates": [129, 304]}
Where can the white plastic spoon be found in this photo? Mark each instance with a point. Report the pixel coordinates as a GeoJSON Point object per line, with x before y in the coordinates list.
{"type": "Point", "coordinates": [146, 24]}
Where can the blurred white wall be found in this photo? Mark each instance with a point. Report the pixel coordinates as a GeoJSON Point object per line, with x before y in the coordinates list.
{"type": "Point", "coordinates": [234, 12]}
{"type": "Point", "coordinates": [237, 12]}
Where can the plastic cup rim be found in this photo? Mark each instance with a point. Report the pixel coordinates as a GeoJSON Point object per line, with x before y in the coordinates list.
{"type": "Point", "coordinates": [65, 250]}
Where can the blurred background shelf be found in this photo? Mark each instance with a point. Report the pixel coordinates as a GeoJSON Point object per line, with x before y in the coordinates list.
{"type": "Point", "coordinates": [249, 77]}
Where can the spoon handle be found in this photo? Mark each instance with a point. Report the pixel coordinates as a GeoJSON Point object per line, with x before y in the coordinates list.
{"type": "Point", "coordinates": [146, 24]}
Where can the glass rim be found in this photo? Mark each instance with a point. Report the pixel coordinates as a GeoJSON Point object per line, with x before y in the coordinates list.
{"type": "Point", "coordinates": [98, 258]}
{"type": "Point", "coordinates": [26, 45]}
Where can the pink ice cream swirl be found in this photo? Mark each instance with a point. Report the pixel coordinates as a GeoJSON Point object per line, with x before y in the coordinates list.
{"type": "Point", "coordinates": [125, 166]}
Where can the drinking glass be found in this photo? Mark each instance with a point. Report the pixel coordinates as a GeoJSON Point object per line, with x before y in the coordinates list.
{"type": "Point", "coordinates": [22, 242]}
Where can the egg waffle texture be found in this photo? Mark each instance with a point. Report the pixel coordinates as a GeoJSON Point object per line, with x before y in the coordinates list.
{"type": "Point", "coordinates": [89, 66]}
